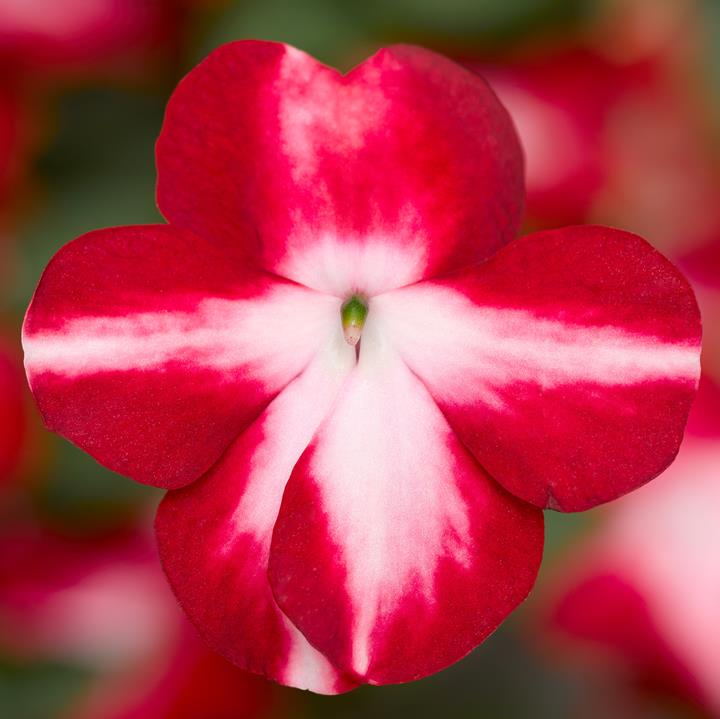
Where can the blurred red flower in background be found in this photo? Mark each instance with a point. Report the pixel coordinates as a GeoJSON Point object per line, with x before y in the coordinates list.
{"type": "Point", "coordinates": [48, 38]}
{"type": "Point", "coordinates": [98, 601]}
{"type": "Point", "coordinates": [12, 411]}
{"type": "Point", "coordinates": [103, 603]}
{"type": "Point", "coordinates": [617, 131]}
{"type": "Point", "coordinates": [562, 100]}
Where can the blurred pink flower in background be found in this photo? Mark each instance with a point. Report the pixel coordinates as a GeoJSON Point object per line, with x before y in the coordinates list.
{"type": "Point", "coordinates": [50, 37]}
{"type": "Point", "coordinates": [638, 601]}
{"type": "Point", "coordinates": [189, 682]}
{"type": "Point", "coordinates": [616, 131]}
{"type": "Point", "coordinates": [562, 119]}
{"type": "Point", "coordinates": [103, 603]}
{"type": "Point", "coordinates": [97, 602]}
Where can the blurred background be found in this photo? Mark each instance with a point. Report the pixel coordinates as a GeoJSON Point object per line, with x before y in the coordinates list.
{"type": "Point", "coordinates": [618, 106]}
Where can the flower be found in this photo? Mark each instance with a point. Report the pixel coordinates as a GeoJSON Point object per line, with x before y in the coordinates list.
{"type": "Point", "coordinates": [104, 605]}
{"type": "Point", "coordinates": [57, 594]}
{"type": "Point", "coordinates": [614, 123]}
{"type": "Point", "coordinates": [640, 595]}
{"type": "Point", "coordinates": [191, 682]}
{"type": "Point", "coordinates": [563, 122]}
{"type": "Point", "coordinates": [342, 511]}
{"type": "Point", "coordinates": [44, 37]}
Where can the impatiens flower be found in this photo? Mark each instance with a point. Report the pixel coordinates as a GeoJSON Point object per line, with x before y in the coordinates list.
{"type": "Point", "coordinates": [360, 390]}
{"type": "Point", "coordinates": [640, 597]}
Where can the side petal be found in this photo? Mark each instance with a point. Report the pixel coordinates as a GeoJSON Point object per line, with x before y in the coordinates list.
{"type": "Point", "coordinates": [403, 168]}
{"type": "Point", "coordinates": [567, 363]}
{"type": "Point", "coordinates": [393, 552]}
{"type": "Point", "coordinates": [151, 350]}
{"type": "Point", "coordinates": [214, 536]}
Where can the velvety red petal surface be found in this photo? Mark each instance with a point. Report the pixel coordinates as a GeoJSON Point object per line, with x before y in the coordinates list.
{"type": "Point", "coordinates": [393, 552]}
{"type": "Point", "coordinates": [567, 363]}
{"type": "Point", "coordinates": [214, 536]}
{"type": "Point", "coordinates": [405, 167]}
{"type": "Point", "coordinates": [151, 350]}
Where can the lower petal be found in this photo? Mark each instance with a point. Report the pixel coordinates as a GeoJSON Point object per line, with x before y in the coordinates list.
{"type": "Point", "coordinates": [393, 552]}
{"type": "Point", "coordinates": [214, 536]}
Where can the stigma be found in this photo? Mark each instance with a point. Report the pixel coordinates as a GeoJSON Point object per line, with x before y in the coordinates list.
{"type": "Point", "coordinates": [353, 314]}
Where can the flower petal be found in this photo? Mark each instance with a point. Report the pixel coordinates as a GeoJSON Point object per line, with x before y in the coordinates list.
{"type": "Point", "coordinates": [393, 552]}
{"type": "Point", "coordinates": [214, 536]}
{"type": "Point", "coordinates": [403, 168]}
{"type": "Point", "coordinates": [567, 363]}
{"type": "Point", "coordinates": [152, 351]}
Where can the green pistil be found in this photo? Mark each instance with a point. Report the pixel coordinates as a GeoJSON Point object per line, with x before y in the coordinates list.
{"type": "Point", "coordinates": [353, 314]}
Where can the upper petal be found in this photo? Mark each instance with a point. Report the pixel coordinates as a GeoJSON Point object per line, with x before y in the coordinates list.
{"type": "Point", "coordinates": [567, 363]}
{"type": "Point", "coordinates": [214, 536]}
{"type": "Point", "coordinates": [151, 350]}
{"type": "Point", "coordinates": [403, 168]}
{"type": "Point", "coordinates": [393, 552]}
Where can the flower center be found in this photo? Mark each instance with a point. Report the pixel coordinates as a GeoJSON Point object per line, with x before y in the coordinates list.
{"type": "Point", "coordinates": [353, 314]}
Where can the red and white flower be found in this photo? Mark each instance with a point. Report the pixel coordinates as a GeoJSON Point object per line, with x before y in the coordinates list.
{"type": "Point", "coordinates": [342, 365]}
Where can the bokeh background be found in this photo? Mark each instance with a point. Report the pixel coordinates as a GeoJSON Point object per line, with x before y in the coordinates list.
{"type": "Point", "coordinates": [618, 106]}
